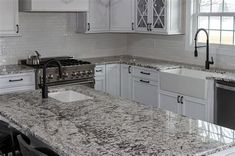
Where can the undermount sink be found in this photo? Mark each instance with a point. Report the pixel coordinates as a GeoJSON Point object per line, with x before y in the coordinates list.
{"type": "Point", "coordinates": [185, 81]}
{"type": "Point", "coordinates": [68, 96]}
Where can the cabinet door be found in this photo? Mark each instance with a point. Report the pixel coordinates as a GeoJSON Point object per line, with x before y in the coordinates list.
{"type": "Point", "coordinates": [145, 92]}
{"type": "Point", "coordinates": [142, 14]}
{"type": "Point", "coordinates": [194, 108]}
{"type": "Point", "coordinates": [122, 15]}
{"type": "Point", "coordinates": [126, 81]}
{"type": "Point", "coordinates": [100, 83]}
{"type": "Point", "coordinates": [9, 17]}
{"type": "Point", "coordinates": [170, 101]}
{"type": "Point", "coordinates": [98, 16]}
{"type": "Point", "coordinates": [113, 79]}
{"type": "Point", "coordinates": [158, 15]}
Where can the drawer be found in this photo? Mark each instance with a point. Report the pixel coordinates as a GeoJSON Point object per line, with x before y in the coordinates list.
{"type": "Point", "coordinates": [146, 73]}
{"type": "Point", "coordinates": [17, 80]}
{"type": "Point", "coordinates": [100, 70]}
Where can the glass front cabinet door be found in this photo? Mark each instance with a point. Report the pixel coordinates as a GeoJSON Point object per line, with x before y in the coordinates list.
{"type": "Point", "coordinates": [159, 16]}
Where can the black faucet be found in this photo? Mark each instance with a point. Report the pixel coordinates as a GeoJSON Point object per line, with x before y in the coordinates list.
{"type": "Point", "coordinates": [208, 63]}
{"type": "Point", "coordinates": [44, 86]}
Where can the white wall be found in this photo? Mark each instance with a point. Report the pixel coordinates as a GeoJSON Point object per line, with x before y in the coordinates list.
{"type": "Point", "coordinates": [52, 34]}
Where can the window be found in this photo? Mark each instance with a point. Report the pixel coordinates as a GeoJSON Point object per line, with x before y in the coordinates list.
{"type": "Point", "coordinates": [218, 18]}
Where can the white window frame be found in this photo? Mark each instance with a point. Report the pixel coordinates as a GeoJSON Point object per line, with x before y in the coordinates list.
{"type": "Point", "coordinates": [191, 28]}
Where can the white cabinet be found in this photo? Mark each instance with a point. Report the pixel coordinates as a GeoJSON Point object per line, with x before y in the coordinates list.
{"type": "Point", "coordinates": [184, 105]}
{"type": "Point", "coordinates": [17, 82]}
{"type": "Point", "coordinates": [100, 78]}
{"type": "Point", "coordinates": [195, 108]}
{"type": "Point", "coordinates": [9, 18]}
{"type": "Point", "coordinates": [96, 20]}
{"type": "Point", "coordinates": [145, 86]}
{"type": "Point", "coordinates": [54, 5]}
{"type": "Point", "coordinates": [170, 101]}
{"type": "Point", "coordinates": [113, 79]}
{"type": "Point", "coordinates": [159, 16]}
{"type": "Point", "coordinates": [122, 15]}
{"type": "Point", "coordinates": [145, 91]}
{"type": "Point", "coordinates": [126, 81]}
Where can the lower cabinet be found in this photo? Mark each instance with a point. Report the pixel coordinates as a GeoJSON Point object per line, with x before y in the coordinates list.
{"type": "Point", "coordinates": [100, 78]}
{"type": "Point", "coordinates": [113, 79]}
{"type": "Point", "coordinates": [126, 78]}
{"type": "Point", "coordinates": [17, 82]}
{"type": "Point", "coordinates": [170, 101]}
{"type": "Point", "coordinates": [145, 91]}
{"type": "Point", "coordinates": [184, 105]}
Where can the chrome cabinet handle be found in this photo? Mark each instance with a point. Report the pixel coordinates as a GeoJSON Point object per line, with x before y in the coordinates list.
{"type": "Point", "coordinates": [144, 81]}
{"type": "Point", "coordinates": [16, 80]}
{"type": "Point", "coordinates": [145, 73]}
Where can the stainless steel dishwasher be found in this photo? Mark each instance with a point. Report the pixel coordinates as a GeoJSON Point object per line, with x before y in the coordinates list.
{"type": "Point", "coordinates": [224, 109]}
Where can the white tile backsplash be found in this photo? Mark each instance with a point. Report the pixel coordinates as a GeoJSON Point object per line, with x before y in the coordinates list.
{"type": "Point", "coordinates": [53, 34]}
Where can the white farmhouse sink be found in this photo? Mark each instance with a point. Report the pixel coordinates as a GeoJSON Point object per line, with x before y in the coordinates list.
{"type": "Point", "coordinates": [185, 81]}
{"type": "Point", "coordinates": [68, 96]}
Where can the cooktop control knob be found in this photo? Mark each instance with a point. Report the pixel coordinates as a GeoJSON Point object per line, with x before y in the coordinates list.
{"type": "Point", "coordinates": [65, 75]}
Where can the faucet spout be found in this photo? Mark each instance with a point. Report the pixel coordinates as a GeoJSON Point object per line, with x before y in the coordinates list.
{"type": "Point", "coordinates": [208, 62]}
{"type": "Point", "coordinates": [44, 86]}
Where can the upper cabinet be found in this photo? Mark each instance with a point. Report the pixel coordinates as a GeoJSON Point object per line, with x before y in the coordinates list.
{"type": "Point", "coordinates": [98, 16]}
{"type": "Point", "coordinates": [159, 16]}
{"type": "Point", "coordinates": [96, 20]}
{"type": "Point", "coordinates": [107, 16]}
{"type": "Point", "coordinates": [9, 18]}
{"type": "Point", "coordinates": [54, 5]}
{"type": "Point", "coordinates": [122, 15]}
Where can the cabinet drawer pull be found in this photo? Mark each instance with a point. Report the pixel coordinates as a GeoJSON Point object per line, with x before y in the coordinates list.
{"type": "Point", "coordinates": [89, 26]}
{"type": "Point", "coordinates": [98, 71]}
{"type": "Point", "coordinates": [129, 69]}
{"type": "Point", "coordinates": [17, 29]}
{"type": "Point", "coordinates": [145, 73]}
{"type": "Point", "coordinates": [16, 80]}
{"type": "Point", "coordinates": [178, 99]}
{"type": "Point", "coordinates": [182, 100]}
{"type": "Point", "coordinates": [144, 81]}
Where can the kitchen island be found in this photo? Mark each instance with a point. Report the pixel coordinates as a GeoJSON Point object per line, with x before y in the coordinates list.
{"type": "Point", "coordinates": [107, 125]}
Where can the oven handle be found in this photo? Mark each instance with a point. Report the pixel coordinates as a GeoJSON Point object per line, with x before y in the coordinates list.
{"type": "Point", "coordinates": [230, 88]}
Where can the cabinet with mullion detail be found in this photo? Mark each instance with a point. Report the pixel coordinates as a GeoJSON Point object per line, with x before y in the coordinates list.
{"type": "Point", "coordinates": [159, 16]}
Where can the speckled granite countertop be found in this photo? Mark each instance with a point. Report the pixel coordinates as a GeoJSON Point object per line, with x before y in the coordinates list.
{"type": "Point", "coordinates": [108, 125]}
{"type": "Point", "coordinates": [14, 69]}
{"type": "Point", "coordinates": [161, 65]}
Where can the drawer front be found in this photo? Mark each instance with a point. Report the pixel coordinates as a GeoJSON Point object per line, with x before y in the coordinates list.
{"type": "Point", "coordinates": [100, 70]}
{"type": "Point", "coordinates": [146, 73]}
{"type": "Point", "coordinates": [17, 80]}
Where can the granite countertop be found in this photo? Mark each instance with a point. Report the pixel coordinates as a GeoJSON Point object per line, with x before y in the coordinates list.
{"type": "Point", "coordinates": [108, 125]}
{"type": "Point", "coordinates": [161, 65]}
{"type": "Point", "coordinates": [14, 69]}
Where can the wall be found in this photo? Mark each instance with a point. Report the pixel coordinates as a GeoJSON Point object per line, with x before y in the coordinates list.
{"type": "Point", "coordinates": [53, 34]}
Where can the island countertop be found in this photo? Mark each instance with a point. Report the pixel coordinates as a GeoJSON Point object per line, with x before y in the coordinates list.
{"type": "Point", "coordinates": [108, 125]}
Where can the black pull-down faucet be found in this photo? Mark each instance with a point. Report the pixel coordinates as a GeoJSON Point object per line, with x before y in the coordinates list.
{"type": "Point", "coordinates": [45, 86]}
{"type": "Point", "coordinates": [208, 63]}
